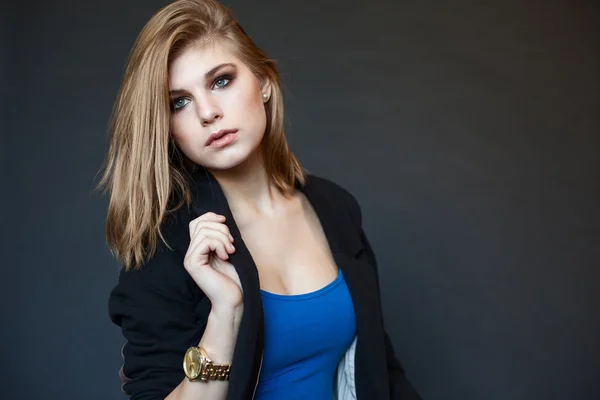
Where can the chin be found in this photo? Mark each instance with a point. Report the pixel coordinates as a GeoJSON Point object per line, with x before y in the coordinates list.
{"type": "Point", "coordinates": [226, 159]}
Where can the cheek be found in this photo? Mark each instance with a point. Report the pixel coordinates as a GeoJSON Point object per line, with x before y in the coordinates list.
{"type": "Point", "coordinates": [180, 130]}
{"type": "Point", "coordinates": [247, 96]}
{"type": "Point", "coordinates": [245, 101]}
{"type": "Point", "coordinates": [251, 109]}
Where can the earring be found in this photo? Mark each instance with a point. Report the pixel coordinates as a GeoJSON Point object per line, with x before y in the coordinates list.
{"type": "Point", "coordinates": [265, 97]}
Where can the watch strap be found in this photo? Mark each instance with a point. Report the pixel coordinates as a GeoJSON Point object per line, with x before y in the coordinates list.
{"type": "Point", "coordinates": [212, 371]}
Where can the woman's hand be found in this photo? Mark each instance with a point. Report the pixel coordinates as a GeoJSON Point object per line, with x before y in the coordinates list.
{"type": "Point", "coordinates": [206, 262]}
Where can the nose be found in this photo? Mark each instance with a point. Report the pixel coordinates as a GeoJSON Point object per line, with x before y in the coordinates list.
{"type": "Point", "coordinates": [209, 112]}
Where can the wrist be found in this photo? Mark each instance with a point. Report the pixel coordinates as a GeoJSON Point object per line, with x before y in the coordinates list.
{"type": "Point", "coordinates": [220, 334]}
{"type": "Point", "coordinates": [229, 316]}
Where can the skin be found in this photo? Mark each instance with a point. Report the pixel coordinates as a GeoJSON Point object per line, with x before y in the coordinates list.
{"type": "Point", "coordinates": [211, 89]}
{"type": "Point", "coordinates": [231, 97]}
{"type": "Point", "coordinates": [282, 232]}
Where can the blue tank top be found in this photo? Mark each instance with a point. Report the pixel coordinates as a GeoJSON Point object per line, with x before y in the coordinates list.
{"type": "Point", "coordinates": [306, 335]}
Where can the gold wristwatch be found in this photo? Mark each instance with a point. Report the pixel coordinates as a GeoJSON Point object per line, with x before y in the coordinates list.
{"type": "Point", "coordinates": [197, 365]}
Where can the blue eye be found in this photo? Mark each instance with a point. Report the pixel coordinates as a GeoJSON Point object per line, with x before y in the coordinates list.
{"type": "Point", "coordinates": [221, 82]}
{"type": "Point", "coordinates": [179, 103]}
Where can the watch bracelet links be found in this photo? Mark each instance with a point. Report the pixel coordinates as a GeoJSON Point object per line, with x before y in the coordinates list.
{"type": "Point", "coordinates": [215, 372]}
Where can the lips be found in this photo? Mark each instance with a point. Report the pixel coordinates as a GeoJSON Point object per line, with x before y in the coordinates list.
{"type": "Point", "coordinates": [218, 135]}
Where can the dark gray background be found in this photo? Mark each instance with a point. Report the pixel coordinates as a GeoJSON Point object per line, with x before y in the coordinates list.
{"type": "Point", "coordinates": [469, 131]}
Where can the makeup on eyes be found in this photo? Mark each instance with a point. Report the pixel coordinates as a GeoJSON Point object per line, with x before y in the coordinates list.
{"type": "Point", "coordinates": [226, 76]}
{"type": "Point", "coordinates": [229, 69]}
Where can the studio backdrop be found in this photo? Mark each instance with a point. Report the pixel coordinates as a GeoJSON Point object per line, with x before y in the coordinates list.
{"type": "Point", "coordinates": [468, 131]}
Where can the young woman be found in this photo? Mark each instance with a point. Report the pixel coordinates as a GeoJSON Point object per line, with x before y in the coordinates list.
{"type": "Point", "coordinates": [243, 277]}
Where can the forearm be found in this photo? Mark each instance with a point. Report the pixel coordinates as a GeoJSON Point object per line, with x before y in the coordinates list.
{"type": "Point", "coordinates": [218, 341]}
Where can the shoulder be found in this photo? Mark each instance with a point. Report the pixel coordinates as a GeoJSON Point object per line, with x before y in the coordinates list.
{"type": "Point", "coordinates": [163, 274]}
{"type": "Point", "coordinates": [150, 304]}
{"type": "Point", "coordinates": [336, 194]}
{"type": "Point", "coordinates": [175, 229]}
{"type": "Point", "coordinates": [173, 240]}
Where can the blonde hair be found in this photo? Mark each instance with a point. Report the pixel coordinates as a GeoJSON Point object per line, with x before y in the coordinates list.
{"type": "Point", "coordinates": [146, 175]}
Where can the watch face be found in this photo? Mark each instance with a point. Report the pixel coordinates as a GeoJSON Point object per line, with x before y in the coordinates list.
{"type": "Point", "coordinates": [192, 363]}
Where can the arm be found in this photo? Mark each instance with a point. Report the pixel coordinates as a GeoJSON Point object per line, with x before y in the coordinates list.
{"type": "Point", "coordinates": [219, 342]}
{"type": "Point", "coordinates": [161, 313]}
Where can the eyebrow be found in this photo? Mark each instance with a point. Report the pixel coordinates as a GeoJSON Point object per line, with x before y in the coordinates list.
{"type": "Point", "coordinates": [207, 76]}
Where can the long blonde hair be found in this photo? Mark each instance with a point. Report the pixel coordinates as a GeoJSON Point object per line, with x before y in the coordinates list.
{"type": "Point", "coordinates": [146, 175]}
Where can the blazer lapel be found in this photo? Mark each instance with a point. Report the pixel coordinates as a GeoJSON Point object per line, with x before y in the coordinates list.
{"type": "Point", "coordinates": [346, 246]}
{"type": "Point", "coordinates": [248, 350]}
{"type": "Point", "coordinates": [348, 250]}
{"type": "Point", "coordinates": [332, 218]}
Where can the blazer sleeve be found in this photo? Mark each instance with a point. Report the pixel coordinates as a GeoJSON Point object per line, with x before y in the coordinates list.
{"type": "Point", "coordinates": [156, 308]}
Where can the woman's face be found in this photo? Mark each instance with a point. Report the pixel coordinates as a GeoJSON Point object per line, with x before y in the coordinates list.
{"type": "Point", "coordinates": [218, 116]}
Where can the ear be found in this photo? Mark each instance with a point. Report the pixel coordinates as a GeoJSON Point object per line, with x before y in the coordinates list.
{"type": "Point", "coordinates": [266, 87]}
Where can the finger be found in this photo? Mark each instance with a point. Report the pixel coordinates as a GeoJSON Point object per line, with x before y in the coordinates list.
{"type": "Point", "coordinates": [202, 252]}
{"type": "Point", "coordinates": [220, 250]}
{"type": "Point", "coordinates": [217, 226]}
{"type": "Point", "coordinates": [209, 216]}
{"type": "Point", "coordinates": [198, 256]}
{"type": "Point", "coordinates": [215, 246]}
{"type": "Point", "coordinates": [212, 234]}
{"type": "Point", "coordinates": [210, 224]}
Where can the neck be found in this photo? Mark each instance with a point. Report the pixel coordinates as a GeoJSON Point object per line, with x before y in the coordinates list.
{"type": "Point", "coordinates": [248, 189]}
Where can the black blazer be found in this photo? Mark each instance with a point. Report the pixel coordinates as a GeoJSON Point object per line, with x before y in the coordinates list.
{"type": "Point", "coordinates": [162, 311]}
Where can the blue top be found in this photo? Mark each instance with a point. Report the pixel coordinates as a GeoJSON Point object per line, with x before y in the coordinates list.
{"type": "Point", "coordinates": [306, 335]}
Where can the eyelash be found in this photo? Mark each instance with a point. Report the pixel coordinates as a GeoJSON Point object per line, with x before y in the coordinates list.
{"type": "Point", "coordinates": [227, 78]}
